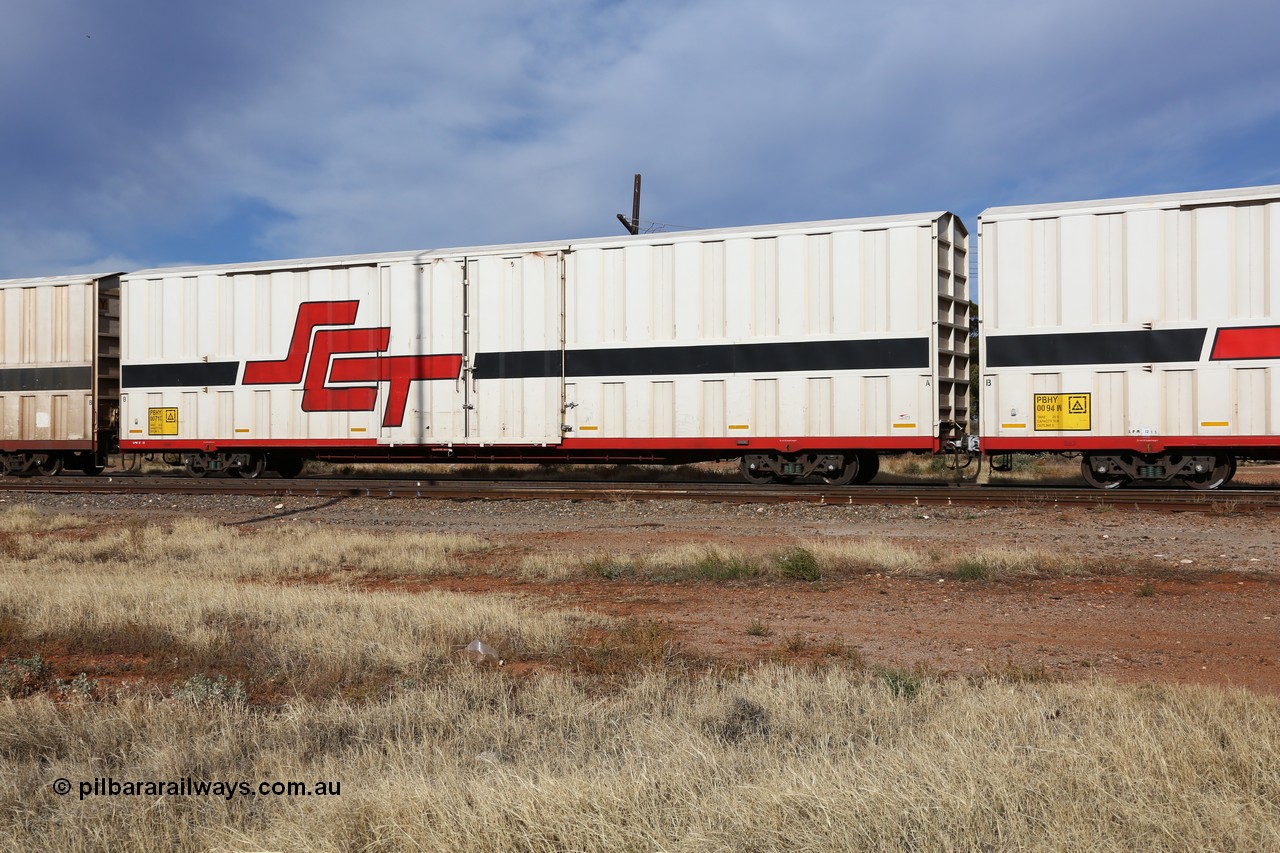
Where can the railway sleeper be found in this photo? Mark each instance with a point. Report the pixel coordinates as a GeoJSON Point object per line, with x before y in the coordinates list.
{"type": "Point", "coordinates": [1199, 471]}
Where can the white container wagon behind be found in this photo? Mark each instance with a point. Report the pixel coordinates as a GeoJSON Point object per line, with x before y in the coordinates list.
{"type": "Point", "coordinates": [1142, 333]}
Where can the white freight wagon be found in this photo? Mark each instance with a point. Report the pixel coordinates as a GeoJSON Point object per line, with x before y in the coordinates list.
{"type": "Point", "coordinates": [803, 348]}
{"type": "Point", "coordinates": [59, 373]}
{"type": "Point", "coordinates": [1143, 333]}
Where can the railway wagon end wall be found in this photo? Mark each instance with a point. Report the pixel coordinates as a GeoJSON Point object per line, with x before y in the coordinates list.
{"type": "Point", "coordinates": [59, 372]}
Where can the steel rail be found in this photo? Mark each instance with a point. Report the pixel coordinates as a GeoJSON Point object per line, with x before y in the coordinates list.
{"type": "Point", "coordinates": [940, 494]}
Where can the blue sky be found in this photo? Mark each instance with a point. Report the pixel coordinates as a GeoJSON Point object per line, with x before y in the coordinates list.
{"type": "Point", "coordinates": [141, 133]}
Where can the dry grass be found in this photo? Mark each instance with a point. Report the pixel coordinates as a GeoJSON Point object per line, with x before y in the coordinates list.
{"type": "Point", "coordinates": [25, 519]}
{"type": "Point", "coordinates": [773, 760]}
{"type": "Point", "coordinates": [211, 550]}
{"type": "Point", "coordinates": [236, 671]}
{"type": "Point", "coordinates": [828, 558]}
{"type": "Point", "coordinates": [839, 556]}
{"type": "Point", "coordinates": [197, 599]}
{"type": "Point", "coordinates": [1001, 563]}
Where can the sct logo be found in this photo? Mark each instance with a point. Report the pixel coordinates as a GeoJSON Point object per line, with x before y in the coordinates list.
{"type": "Point", "coordinates": [313, 361]}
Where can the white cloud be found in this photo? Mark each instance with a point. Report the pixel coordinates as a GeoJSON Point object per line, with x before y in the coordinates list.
{"type": "Point", "coordinates": [407, 124]}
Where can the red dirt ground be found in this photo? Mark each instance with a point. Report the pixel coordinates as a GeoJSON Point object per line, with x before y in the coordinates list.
{"type": "Point", "coordinates": [1219, 630]}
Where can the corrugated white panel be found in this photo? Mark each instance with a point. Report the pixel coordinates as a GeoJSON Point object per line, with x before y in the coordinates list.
{"type": "Point", "coordinates": [614, 404]}
{"type": "Point", "coordinates": [1108, 279]}
{"type": "Point", "coordinates": [764, 420]}
{"type": "Point", "coordinates": [10, 323]}
{"type": "Point", "coordinates": [662, 409]}
{"type": "Point", "coordinates": [1144, 270]}
{"type": "Point", "coordinates": [259, 423]}
{"type": "Point", "coordinates": [819, 409]}
{"type": "Point", "coordinates": [638, 405]}
{"type": "Point", "coordinates": [875, 405]}
{"type": "Point", "coordinates": [1045, 270]}
{"type": "Point", "coordinates": [1212, 263]}
{"type": "Point", "coordinates": [662, 288]}
{"type": "Point", "coordinates": [225, 412]}
{"type": "Point", "coordinates": [791, 283]}
{"type": "Point", "coordinates": [739, 295]}
{"type": "Point", "coordinates": [1110, 406]}
{"type": "Point", "coordinates": [713, 290]}
{"type": "Point", "coordinates": [910, 260]}
{"type": "Point", "coordinates": [638, 308]}
{"type": "Point", "coordinates": [713, 408]}
{"type": "Point", "coordinates": [27, 409]}
{"type": "Point", "coordinates": [1252, 400]}
{"type": "Point", "coordinates": [765, 320]}
{"type": "Point", "coordinates": [1179, 402]}
{"type": "Point", "coordinates": [194, 420]}
{"type": "Point", "coordinates": [1179, 290]}
{"type": "Point", "coordinates": [613, 296]}
{"type": "Point", "coordinates": [819, 285]}
{"type": "Point", "coordinates": [1215, 401]}
{"type": "Point", "coordinates": [875, 277]}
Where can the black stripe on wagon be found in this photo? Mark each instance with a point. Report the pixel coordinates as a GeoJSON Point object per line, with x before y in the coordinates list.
{"type": "Point", "coordinates": [894, 354]}
{"type": "Point", "coordinates": [196, 373]}
{"type": "Point", "coordinates": [1139, 347]}
{"type": "Point", "coordinates": [46, 378]}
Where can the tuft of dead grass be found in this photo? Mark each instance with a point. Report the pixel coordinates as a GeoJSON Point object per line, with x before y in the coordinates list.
{"type": "Point", "coordinates": [989, 564]}
{"type": "Point", "coordinates": [845, 555]}
{"type": "Point", "coordinates": [26, 519]}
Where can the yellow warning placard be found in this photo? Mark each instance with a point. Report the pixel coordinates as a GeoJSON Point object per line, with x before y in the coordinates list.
{"type": "Point", "coordinates": [1062, 412]}
{"type": "Point", "coordinates": [162, 421]}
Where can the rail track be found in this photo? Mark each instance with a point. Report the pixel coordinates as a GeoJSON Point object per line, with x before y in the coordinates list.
{"type": "Point", "coordinates": [1231, 499]}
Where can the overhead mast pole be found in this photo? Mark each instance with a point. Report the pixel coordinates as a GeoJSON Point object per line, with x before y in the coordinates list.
{"type": "Point", "coordinates": [633, 225]}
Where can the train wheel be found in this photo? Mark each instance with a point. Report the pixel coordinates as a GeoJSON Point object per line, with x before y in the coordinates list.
{"type": "Point", "coordinates": [87, 462]}
{"type": "Point", "coordinates": [868, 467]}
{"type": "Point", "coordinates": [197, 466]}
{"type": "Point", "coordinates": [1100, 479]}
{"type": "Point", "coordinates": [1223, 469]}
{"type": "Point", "coordinates": [755, 474]}
{"type": "Point", "coordinates": [845, 475]}
{"type": "Point", "coordinates": [286, 466]}
{"type": "Point", "coordinates": [252, 471]}
{"type": "Point", "coordinates": [48, 464]}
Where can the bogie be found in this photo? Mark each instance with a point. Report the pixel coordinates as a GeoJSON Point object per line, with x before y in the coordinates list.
{"type": "Point", "coordinates": [1199, 471]}
{"type": "Point", "coordinates": [833, 469]}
